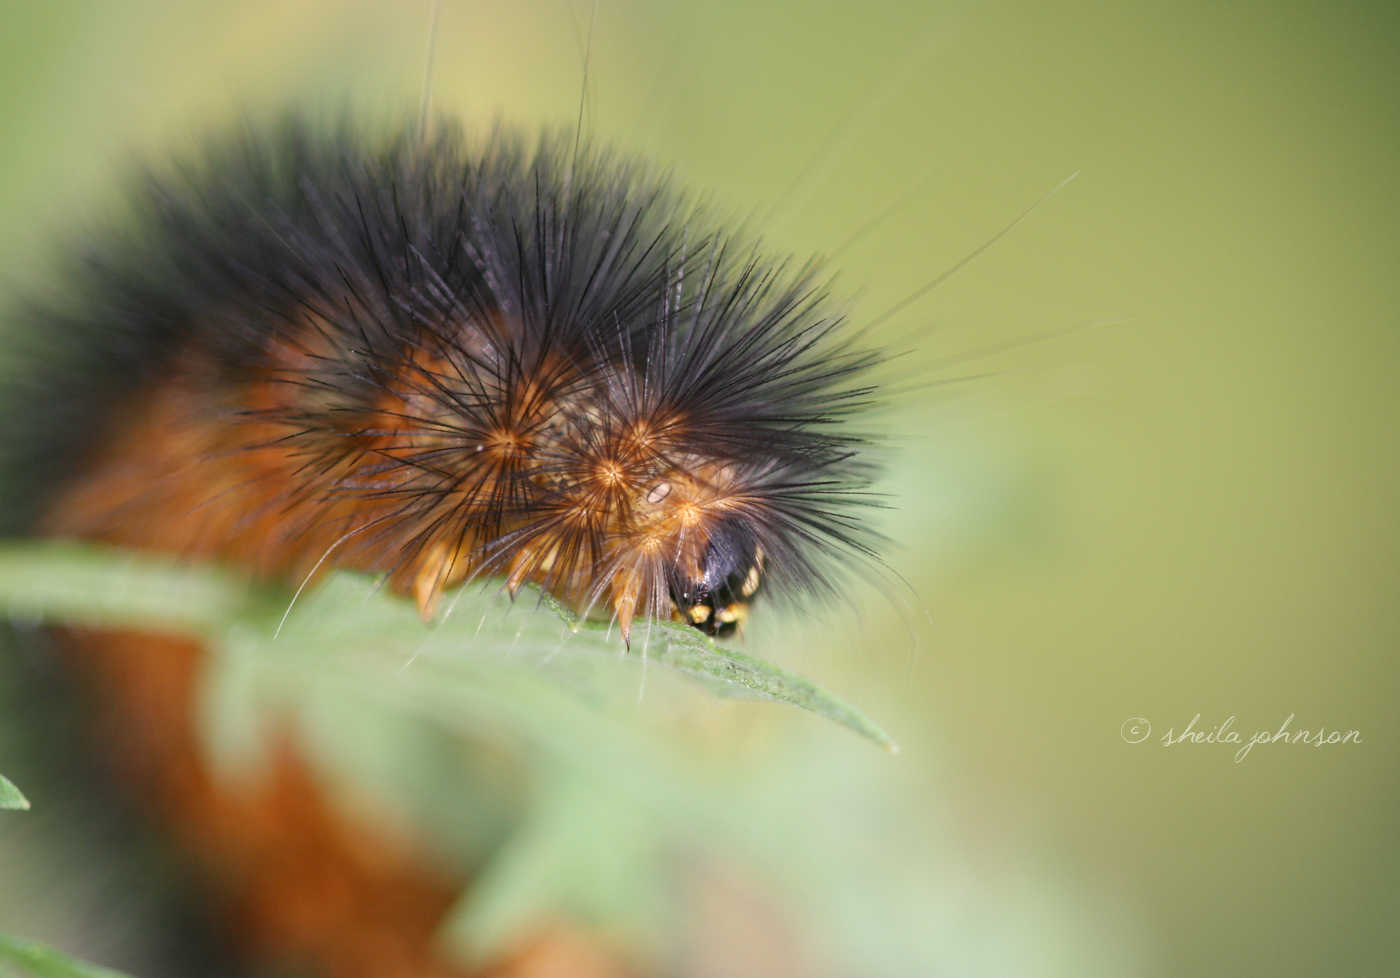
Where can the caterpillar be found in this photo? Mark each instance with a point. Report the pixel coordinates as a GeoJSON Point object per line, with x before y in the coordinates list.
{"type": "Point", "coordinates": [437, 361]}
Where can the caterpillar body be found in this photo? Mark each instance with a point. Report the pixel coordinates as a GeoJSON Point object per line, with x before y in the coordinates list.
{"type": "Point", "coordinates": [436, 361]}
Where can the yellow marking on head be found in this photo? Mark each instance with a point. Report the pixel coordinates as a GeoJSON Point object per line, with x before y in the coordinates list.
{"type": "Point", "coordinates": [699, 613]}
{"type": "Point", "coordinates": [750, 584]}
{"type": "Point", "coordinates": [738, 613]}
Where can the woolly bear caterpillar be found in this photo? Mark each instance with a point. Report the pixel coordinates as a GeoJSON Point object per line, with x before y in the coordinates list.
{"type": "Point", "coordinates": [335, 369]}
{"type": "Point", "coordinates": [434, 362]}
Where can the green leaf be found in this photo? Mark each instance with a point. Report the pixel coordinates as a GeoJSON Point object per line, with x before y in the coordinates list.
{"type": "Point", "coordinates": [41, 961]}
{"type": "Point", "coordinates": [63, 582]}
{"type": "Point", "coordinates": [527, 674]}
{"type": "Point", "coordinates": [12, 797]}
{"type": "Point", "coordinates": [584, 854]}
{"type": "Point", "coordinates": [691, 652]}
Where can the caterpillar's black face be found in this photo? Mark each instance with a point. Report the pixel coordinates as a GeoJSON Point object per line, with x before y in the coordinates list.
{"type": "Point", "coordinates": [718, 604]}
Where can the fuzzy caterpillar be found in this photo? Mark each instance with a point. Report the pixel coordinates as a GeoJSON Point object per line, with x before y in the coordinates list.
{"type": "Point", "coordinates": [319, 347]}
{"type": "Point", "coordinates": [435, 362]}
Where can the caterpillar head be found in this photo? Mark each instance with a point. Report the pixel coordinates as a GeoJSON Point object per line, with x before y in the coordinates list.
{"type": "Point", "coordinates": [717, 601]}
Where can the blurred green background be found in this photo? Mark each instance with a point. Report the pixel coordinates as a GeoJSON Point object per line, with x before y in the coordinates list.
{"type": "Point", "coordinates": [1187, 507]}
